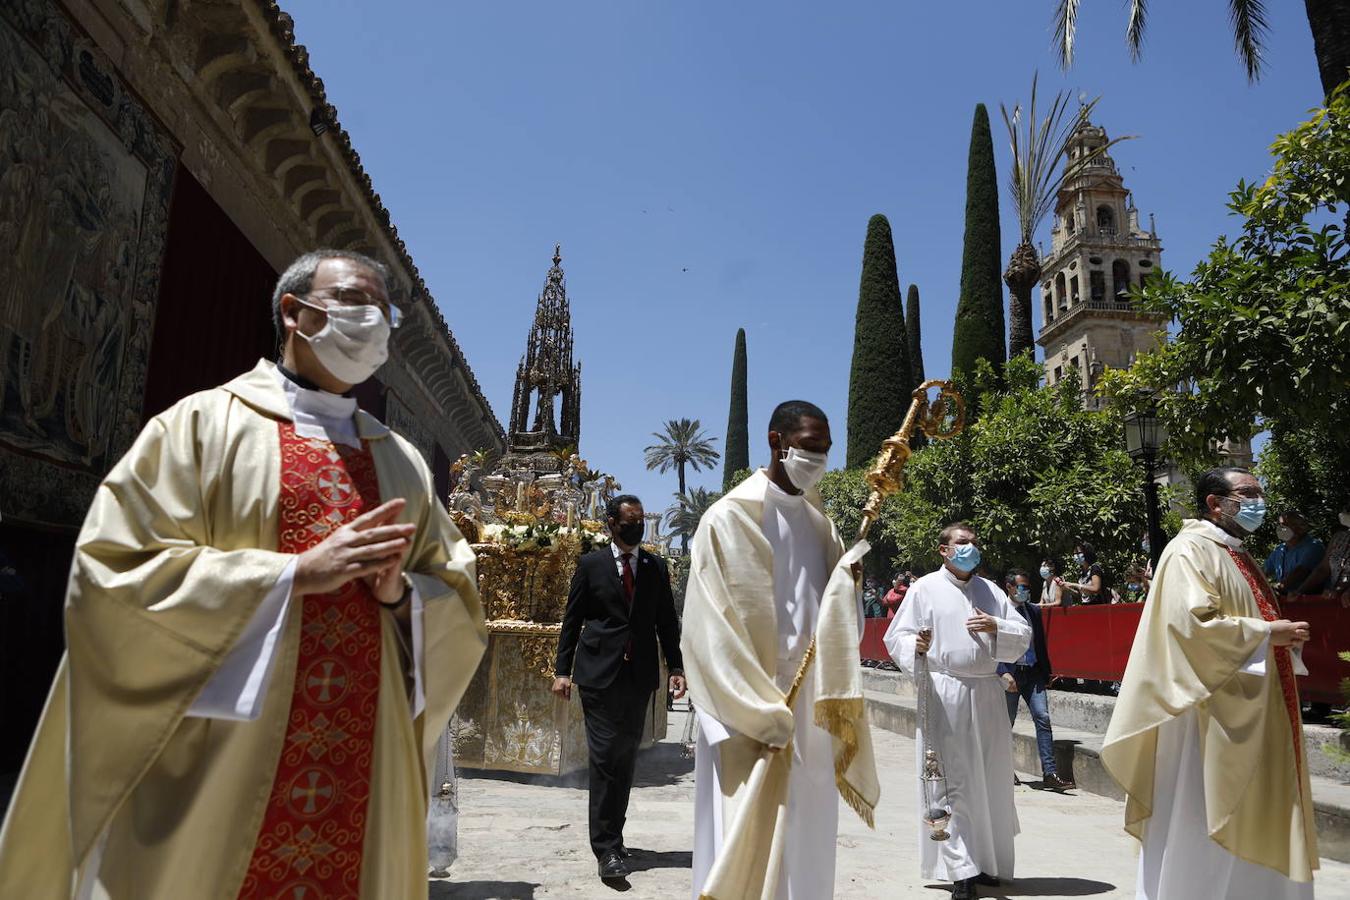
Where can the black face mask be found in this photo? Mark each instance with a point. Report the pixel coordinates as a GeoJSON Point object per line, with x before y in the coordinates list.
{"type": "Point", "coordinates": [630, 533]}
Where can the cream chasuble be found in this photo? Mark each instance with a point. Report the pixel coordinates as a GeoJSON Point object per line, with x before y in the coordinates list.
{"type": "Point", "coordinates": [1202, 738]}
{"type": "Point", "coordinates": [768, 571]}
{"type": "Point", "coordinates": [175, 561]}
{"type": "Point", "coordinates": [968, 719]}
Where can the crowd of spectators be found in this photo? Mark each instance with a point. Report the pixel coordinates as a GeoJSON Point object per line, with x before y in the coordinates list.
{"type": "Point", "coordinates": [1301, 565]}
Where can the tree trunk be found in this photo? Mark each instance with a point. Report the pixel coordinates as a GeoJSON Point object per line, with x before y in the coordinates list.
{"type": "Point", "coordinates": [684, 535]}
{"type": "Point", "coordinates": [1330, 23]}
{"type": "Point", "coordinates": [1024, 270]}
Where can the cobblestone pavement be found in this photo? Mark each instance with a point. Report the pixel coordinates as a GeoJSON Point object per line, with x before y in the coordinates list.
{"type": "Point", "coordinates": [523, 840]}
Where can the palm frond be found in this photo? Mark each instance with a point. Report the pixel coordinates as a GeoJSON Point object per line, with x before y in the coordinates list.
{"type": "Point", "coordinates": [1249, 33]}
{"type": "Point", "coordinates": [1038, 145]}
{"type": "Point", "coordinates": [1066, 24]}
{"type": "Point", "coordinates": [683, 442]}
{"type": "Point", "coordinates": [1134, 28]}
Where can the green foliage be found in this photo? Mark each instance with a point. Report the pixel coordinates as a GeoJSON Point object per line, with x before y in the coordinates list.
{"type": "Point", "coordinates": [684, 516]}
{"type": "Point", "coordinates": [1263, 337]}
{"type": "Point", "coordinates": [979, 331]}
{"type": "Point", "coordinates": [1035, 474]}
{"type": "Point", "coordinates": [738, 419]}
{"type": "Point", "coordinates": [683, 443]}
{"type": "Point", "coordinates": [880, 381]}
{"type": "Point", "coordinates": [915, 336]}
{"type": "Point", "coordinates": [1305, 469]}
{"type": "Point", "coordinates": [737, 477]}
{"type": "Point", "coordinates": [1342, 718]}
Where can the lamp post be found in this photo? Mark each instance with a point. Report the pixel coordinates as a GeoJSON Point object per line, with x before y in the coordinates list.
{"type": "Point", "coordinates": [1144, 435]}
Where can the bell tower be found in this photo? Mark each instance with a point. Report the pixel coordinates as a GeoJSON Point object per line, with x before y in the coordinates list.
{"type": "Point", "coordinates": [1098, 253]}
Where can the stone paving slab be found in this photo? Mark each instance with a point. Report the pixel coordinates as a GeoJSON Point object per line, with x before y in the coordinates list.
{"type": "Point", "coordinates": [521, 839]}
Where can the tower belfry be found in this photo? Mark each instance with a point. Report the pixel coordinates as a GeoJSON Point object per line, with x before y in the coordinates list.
{"type": "Point", "coordinates": [1098, 253]}
{"type": "Point", "coordinates": [546, 405]}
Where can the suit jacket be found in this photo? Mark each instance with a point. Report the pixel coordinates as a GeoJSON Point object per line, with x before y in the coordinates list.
{"type": "Point", "coordinates": [598, 625]}
{"type": "Point", "coordinates": [1041, 671]}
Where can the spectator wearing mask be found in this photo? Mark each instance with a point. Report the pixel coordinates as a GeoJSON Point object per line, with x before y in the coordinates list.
{"type": "Point", "coordinates": [1029, 677]}
{"type": "Point", "coordinates": [1332, 575]}
{"type": "Point", "coordinates": [1091, 586]}
{"type": "Point", "coordinates": [1297, 555]}
{"type": "Point", "coordinates": [1051, 592]}
{"type": "Point", "coordinates": [896, 595]}
{"type": "Point", "coordinates": [1136, 585]}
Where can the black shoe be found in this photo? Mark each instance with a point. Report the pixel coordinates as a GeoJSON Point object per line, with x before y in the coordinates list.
{"type": "Point", "coordinates": [1054, 783]}
{"type": "Point", "coordinates": [612, 866]}
{"type": "Point", "coordinates": [964, 890]}
{"type": "Point", "coordinates": [989, 880]}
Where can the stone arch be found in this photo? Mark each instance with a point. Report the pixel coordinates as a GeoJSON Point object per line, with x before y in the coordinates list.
{"type": "Point", "coordinates": [1106, 219]}
{"type": "Point", "coordinates": [1120, 279]}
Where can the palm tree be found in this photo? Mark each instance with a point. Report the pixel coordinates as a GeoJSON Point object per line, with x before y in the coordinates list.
{"type": "Point", "coordinates": [683, 443]}
{"type": "Point", "coordinates": [683, 518]}
{"type": "Point", "coordinates": [1328, 19]}
{"type": "Point", "coordinates": [1034, 181]}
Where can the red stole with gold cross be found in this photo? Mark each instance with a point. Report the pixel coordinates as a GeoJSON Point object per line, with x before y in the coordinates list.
{"type": "Point", "coordinates": [313, 832]}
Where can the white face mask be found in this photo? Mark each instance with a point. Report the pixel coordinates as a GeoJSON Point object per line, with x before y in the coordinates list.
{"type": "Point", "coordinates": [1284, 532]}
{"type": "Point", "coordinates": [804, 468]}
{"type": "Point", "coordinates": [1345, 519]}
{"type": "Point", "coordinates": [353, 342]}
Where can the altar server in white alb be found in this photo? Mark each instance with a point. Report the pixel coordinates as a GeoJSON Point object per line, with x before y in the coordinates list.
{"type": "Point", "coordinates": [966, 626]}
{"type": "Point", "coordinates": [768, 571]}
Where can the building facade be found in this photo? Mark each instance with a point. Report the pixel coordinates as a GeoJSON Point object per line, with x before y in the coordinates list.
{"type": "Point", "coordinates": [160, 162]}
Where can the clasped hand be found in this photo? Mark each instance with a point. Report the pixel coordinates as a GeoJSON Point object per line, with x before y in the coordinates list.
{"type": "Point", "coordinates": [368, 547]}
{"type": "Point", "coordinates": [1284, 633]}
{"type": "Point", "coordinates": [981, 621]}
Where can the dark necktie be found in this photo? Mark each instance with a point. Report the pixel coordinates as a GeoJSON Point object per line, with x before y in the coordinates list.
{"type": "Point", "coordinates": [628, 588]}
{"type": "Point", "coordinates": [628, 585]}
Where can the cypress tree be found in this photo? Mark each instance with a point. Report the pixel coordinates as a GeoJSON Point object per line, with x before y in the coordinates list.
{"type": "Point", "coordinates": [979, 329]}
{"type": "Point", "coordinates": [915, 341]}
{"type": "Point", "coordinates": [737, 455]}
{"type": "Point", "coordinates": [880, 381]}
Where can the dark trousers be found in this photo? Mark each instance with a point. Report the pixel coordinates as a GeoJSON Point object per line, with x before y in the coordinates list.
{"type": "Point", "coordinates": [615, 717]}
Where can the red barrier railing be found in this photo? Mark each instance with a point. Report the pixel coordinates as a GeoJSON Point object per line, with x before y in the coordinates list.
{"type": "Point", "coordinates": [1094, 642]}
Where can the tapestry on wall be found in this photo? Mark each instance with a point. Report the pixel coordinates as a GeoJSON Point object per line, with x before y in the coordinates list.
{"type": "Point", "coordinates": [85, 181]}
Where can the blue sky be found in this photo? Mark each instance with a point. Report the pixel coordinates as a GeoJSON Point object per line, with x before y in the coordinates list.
{"type": "Point", "coordinates": [709, 166]}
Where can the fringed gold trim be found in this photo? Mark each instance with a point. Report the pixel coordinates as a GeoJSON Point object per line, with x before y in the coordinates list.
{"type": "Point", "coordinates": [797, 680]}
{"type": "Point", "coordinates": [839, 718]}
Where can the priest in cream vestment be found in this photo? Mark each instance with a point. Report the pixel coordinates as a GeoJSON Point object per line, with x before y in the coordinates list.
{"type": "Point", "coordinates": [1206, 737]}
{"type": "Point", "coordinates": [768, 574]}
{"type": "Point", "coordinates": [269, 621]}
{"type": "Point", "coordinates": [965, 625]}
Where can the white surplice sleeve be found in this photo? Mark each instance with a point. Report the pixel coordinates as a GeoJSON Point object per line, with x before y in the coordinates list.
{"type": "Point", "coordinates": [237, 689]}
{"type": "Point", "coordinates": [419, 696]}
{"type": "Point", "coordinates": [1256, 663]}
{"type": "Point", "coordinates": [1013, 636]}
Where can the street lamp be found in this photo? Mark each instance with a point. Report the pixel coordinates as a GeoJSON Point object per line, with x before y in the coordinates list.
{"type": "Point", "coordinates": [1144, 436]}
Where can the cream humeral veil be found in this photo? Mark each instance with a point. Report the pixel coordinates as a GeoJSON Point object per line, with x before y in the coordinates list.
{"type": "Point", "coordinates": [1200, 625]}
{"type": "Point", "coordinates": [730, 649]}
{"type": "Point", "coordinates": [176, 553]}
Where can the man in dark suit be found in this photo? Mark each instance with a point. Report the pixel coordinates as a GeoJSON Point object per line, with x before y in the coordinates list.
{"type": "Point", "coordinates": [1029, 679]}
{"type": "Point", "coordinates": [621, 595]}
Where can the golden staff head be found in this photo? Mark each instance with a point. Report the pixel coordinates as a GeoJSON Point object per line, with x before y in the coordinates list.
{"type": "Point", "coordinates": [886, 474]}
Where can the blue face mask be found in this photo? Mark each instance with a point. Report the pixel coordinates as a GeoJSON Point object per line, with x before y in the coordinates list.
{"type": "Point", "coordinates": [1023, 593]}
{"type": "Point", "coordinates": [964, 558]}
{"type": "Point", "coordinates": [1251, 512]}
{"type": "Point", "coordinates": [1045, 571]}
